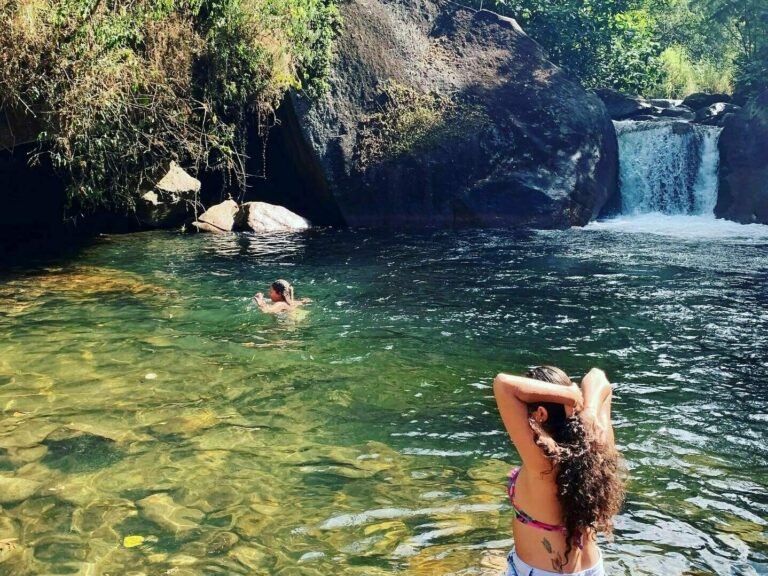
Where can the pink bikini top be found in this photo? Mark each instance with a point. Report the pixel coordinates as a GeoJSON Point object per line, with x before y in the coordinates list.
{"type": "Point", "coordinates": [527, 519]}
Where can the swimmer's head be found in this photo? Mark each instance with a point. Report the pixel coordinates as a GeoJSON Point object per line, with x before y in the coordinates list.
{"type": "Point", "coordinates": [281, 291]}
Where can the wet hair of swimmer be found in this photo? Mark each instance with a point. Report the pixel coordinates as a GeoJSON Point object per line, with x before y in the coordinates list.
{"type": "Point", "coordinates": [284, 289]}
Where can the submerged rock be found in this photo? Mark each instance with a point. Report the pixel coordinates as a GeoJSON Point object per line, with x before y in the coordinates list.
{"type": "Point", "coordinates": [26, 434]}
{"type": "Point", "coordinates": [16, 489]}
{"type": "Point", "coordinates": [263, 217]}
{"type": "Point", "coordinates": [163, 511]}
{"type": "Point", "coordinates": [218, 219]}
{"type": "Point", "coordinates": [743, 192]}
{"type": "Point", "coordinates": [220, 542]}
{"type": "Point", "coordinates": [442, 116]}
{"type": "Point", "coordinates": [187, 423]}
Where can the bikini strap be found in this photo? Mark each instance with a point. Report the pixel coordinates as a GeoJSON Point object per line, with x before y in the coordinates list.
{"type": "Point", "coordinates": [578, 538]}
{"type": "Point", "coordinates": [523, 517]}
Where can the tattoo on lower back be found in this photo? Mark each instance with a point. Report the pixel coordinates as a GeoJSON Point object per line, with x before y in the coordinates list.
{"type": "Point", "coordinates": [557, 559]}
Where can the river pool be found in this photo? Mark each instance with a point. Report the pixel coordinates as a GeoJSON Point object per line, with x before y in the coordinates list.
{"type": "Point", "coordinates": [153, 421]}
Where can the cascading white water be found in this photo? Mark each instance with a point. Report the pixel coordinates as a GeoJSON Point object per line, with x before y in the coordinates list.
{"type": "Point", "coordinates": [667, 167]}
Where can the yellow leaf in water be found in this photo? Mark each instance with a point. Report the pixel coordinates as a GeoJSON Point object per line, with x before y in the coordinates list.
{"type": "Point", "coordinates": [133, 541]}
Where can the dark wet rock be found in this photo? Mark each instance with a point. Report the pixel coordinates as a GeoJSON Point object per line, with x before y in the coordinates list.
{"type": "Point", "coordinates": [699, 100]}
{"type": "Point", "coordinates": [679, 112]}
{"type": "Point", "coordinates": [441, 116]}
{"type": "Point", "coordinates": [171, 201]}
{"type": "Point", "coordinates": [218, 219]}
{"type": "Point", "coordinates": [665, 102]}
{"type": "Point", "coordinates": [682, 128]}
{"type": "Point", "coordinates": [714, 115]}
{"type": "Point", "coordinates": [743, 191]}
{"type": "Point", "coordinates": [263, 217]}
{"type": "Point", "coordinates": [648, 118]}
{"type": "Point", "coordinates": [621, 106]}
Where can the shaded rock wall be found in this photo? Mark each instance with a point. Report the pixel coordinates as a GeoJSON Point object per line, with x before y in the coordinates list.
{"type": "Point", "coordinates": [743, 192]}
{"type": "Point", "coordinates": [294, 177]}
{"type": "Point", "coordinates": [32, 196]}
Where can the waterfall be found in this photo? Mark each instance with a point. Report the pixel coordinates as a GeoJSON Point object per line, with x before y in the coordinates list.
{"type": "Point", "coordinates": [667, 167]}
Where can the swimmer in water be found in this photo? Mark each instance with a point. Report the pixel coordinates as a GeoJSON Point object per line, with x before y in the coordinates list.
{"type": "Point", "coordinates": [281, 295]}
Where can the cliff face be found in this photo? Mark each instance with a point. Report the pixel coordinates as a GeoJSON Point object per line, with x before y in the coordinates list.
{"type": "Point", "coordinates": [438, 116]}
{"type": "Point", "coordinates": [743, 192]}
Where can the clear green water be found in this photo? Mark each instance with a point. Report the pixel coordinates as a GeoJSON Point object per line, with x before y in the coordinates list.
{"type": "Point", "coordinates": [361, 437]}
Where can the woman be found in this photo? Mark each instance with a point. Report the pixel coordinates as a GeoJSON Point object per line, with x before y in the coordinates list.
{"type": "Point", "coordinates": [569, 486]}
{"type": "Point", "coordinates": [281, 294]}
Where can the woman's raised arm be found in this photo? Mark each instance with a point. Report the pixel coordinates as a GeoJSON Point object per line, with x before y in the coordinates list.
{"type": "Point", "coordinates": [597, 393]}
{"type": "Point", "coordinates": [513, 394]}
{"type": "Point", "coordinates": [530, 391]}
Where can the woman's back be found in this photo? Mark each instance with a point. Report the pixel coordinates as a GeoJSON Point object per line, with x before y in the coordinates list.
{"type": "Point", "coordinates": [535, 497]}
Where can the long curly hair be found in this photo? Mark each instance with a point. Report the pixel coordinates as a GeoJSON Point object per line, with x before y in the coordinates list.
{"type": "Point", "coordinates": [589, 474]}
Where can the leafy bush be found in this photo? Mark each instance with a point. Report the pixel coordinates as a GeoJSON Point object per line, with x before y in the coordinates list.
{"type": "Point", "coordinates": [122, 86]}
{"type": "Point", "coordinates": [600, 42]}
{"type": "Point", "coordinates": [682, 76]}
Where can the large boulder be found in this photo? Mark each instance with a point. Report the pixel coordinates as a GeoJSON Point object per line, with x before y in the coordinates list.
{"type": "Point", "coordinates": [438, 115]}
{"type": "Point", "coordinates": [677, 112]}
{"type": "Point", "coordinates": [743, 192]}
{"type": "Point", "coordinates": [621, 106]}
{"type": "Point", "coordinates": [714, 114]}
{"type": "Point", "coordinates": [699, 100]}
{"type": "Point", "coordinates": [218, 219]}
{"type": "Point", "coordinates": [263, 217]}
{"type": "Point", "coordinates": [664, 103]}
{"type": "Point", "coordinates": [170, 201]}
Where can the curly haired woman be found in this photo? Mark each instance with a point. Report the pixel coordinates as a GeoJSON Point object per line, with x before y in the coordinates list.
{"type": "Point", "coordinates": [569, 486]}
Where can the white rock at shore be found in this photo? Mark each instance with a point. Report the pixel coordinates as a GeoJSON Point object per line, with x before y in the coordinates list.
{"type": "Point", "coordinates": [263, 217]}
{"type": "Point", "coordinates": [217, 219]}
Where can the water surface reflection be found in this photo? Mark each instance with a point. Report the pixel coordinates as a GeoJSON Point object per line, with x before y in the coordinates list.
{"type": "Point", "coordinates": [144, 395]}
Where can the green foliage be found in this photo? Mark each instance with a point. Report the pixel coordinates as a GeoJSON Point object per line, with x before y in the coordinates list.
{"type": "Point", "coordinates": [600, 42]}
{"type": "Point", "coordinates": [633, 63]}
{"type": "Point", "coordinates": [746, 23]}
{"type": "Point", "coordinates": [409, 120]}
{"type": "Point", "coordinates": [652, 47]}
{"type": "Point", "coordinates": [752, 76]}
{"type": "Point", "coordinates": [683, 75]}
{"type": "Point", "coordinates": [122, 86]}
